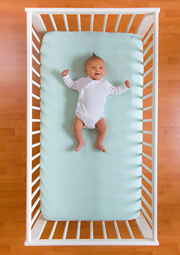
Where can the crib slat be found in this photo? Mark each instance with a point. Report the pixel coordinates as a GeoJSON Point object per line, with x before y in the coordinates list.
{"type": "Point", "coordinates": [147, 84]}
{"type": "Point", "coordinates": [149, 71]}
{"type": "Point", "coordinates": [117, 230]}
{"type": "Point", "coordinates": [104, 230]}
{"type": "Point", "coordinates": [36, 73]}
{"type": "Point", "coordinates": [105, 22]}
{"type": "Point", "coordinates": [66, 22]}
{"type": "Point", "coordinates": [36, 36]}
{"type": "Point", "coordinates": [36, 60]}
{"type": "Point", "coordinates": [147, 168]}
{"type": "Point", "coordinates": [147, 204]}
{"type": "Point", "coordinates": [129, 229]}
{"type": "Point", "coordinates": [35, 216]}
{"type": "Point", "coordinates": [53, 230]}
{"type": "Point", "coordinates": [147, 120]}
{"type": "Point", "coordinates": [147, 132]}
{"type": "Point", "coordinates": [36, 49]}
{"type": "Point", "coordinates": [145, 155]}
{"type": "Point", "coordinates": [53, 22]}
{"type": "Point", "coordinates": [147, 144]}
{"type": "Point", "coordinates": [35, 204]}
{"type": "Point", "coordinates": [147, 108]}
{"type": "Point", "coordinates": [36, 84]}
{"type": "Point", "coordinates": [79, 21]}
{"type": "Point", "coordinates": [91, 230]}
{"type": "Point", "coordinates": [36, 132]}
{"type": "Point", "coordinates": [148, 48]}
{"type": "Point", "coordinates": [65, 230]}
{"type": "Point", "coordinates": [147, 61]}
{"type": "Point", "coordinates": [78, 230]}
{"type": "Point", "coordinates": [147, 192]}
{"type": "Point", "coordinates": [35, 168]}
{"type": "Point", "coordinates": [147, 96]}
{"type": "Point", "coordinates": [147, 216]}
{"type": "Point", "coordinates": [117, 23]}
{"type": "Point", "coordinates": [35, 181]}
{"type": "Point", "coordinates": [35, 192]}
{"type": "Point", "coordinates": [33, 95]}
{"type": "Point", "coordinates": [148, 36]}
{"type": "Point", "coordinates": [130, 23]}
{"type": "Point", "coordinates": [35, 145]}
{"type": "Point", "coordinates": [36, 120]}
{"type": "Point", "coordinates": [36, 156]}
{"type": "Point", "coordinates": [36, 108]}
{"type": "Point", "coordinates": [92, 22]}
{"type": "Point", "coordinates": [147, 180]}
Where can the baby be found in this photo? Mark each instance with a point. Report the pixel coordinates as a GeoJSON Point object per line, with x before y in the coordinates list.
{"type": "Point", "coordinates": [93, 91]}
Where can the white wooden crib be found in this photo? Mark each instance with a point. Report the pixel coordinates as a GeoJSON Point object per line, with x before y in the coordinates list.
{"type": "Point", "coordinates": [140, 231]}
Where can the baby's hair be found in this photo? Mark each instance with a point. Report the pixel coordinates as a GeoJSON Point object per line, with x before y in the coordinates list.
{"type": "Point", "coordinates": [94, 56]}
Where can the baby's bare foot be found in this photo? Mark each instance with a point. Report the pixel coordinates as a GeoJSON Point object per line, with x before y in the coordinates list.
{"type": "Point", "coordinates": [80, 145]}
{"type": "Point", "coordinates": [100, 147]}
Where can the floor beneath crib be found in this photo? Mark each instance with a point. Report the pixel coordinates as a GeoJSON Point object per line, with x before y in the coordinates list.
{"type": "Point", "coordinates": [13, 131]}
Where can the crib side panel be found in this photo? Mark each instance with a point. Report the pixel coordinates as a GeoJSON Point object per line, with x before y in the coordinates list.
{"type": "Point", "coordinates": [33, 126]}
{"type": "Point", "coordinates": [29, 128]}
{"type": "Point", "coordinates": [128, 20]}
{"type": "Point", "coordinates": [150, 112]}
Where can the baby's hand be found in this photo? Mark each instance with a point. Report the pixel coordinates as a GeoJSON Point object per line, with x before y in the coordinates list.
{"type": "Point", "coordinates": [128, 84]}
{"type": "Point", "coordinates": [65, 72]}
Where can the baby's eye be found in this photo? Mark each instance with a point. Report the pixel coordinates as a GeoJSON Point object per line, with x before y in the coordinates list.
{"type": "Point", "coordinates": [101, 67]}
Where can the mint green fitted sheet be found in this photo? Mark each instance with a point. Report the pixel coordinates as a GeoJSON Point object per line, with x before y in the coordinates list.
{"type": "Point", "coordinates": [90, 184]}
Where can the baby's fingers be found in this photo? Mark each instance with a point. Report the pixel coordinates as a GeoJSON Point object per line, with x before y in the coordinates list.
{"type": "Point", "coordinates": [65, 72]}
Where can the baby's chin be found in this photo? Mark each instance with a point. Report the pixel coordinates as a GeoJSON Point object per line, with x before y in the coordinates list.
{"type": "Point", "coordinates": [96, 79]}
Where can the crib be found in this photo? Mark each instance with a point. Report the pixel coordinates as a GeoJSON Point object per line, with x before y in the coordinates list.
{"type": "Point", "coordinates": [139, 231]}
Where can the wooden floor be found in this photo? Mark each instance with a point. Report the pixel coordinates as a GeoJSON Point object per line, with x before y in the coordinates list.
{"type": "Point", "coordinates": [13, 128]}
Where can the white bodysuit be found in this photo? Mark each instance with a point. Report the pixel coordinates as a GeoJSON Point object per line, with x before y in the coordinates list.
{"type": "Point", "coordinates": [92, 98]}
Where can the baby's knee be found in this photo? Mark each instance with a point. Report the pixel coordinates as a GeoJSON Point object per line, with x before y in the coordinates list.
{"type": "Point", "coordinates": [77, 127]}
{"type": "Point", "coordinates": [103, 128]}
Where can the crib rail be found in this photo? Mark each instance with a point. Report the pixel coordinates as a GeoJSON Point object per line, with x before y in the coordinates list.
{"type": "Point", "coordinates": [143, 22]}
{"type": "Point", "coordinates": [99, 233]}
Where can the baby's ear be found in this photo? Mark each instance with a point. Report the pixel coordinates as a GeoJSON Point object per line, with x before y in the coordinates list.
{"type": "Point", "coordinates": [85, 71]}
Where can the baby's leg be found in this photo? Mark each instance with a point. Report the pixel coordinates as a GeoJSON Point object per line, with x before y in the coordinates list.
{"type": "Point", "coordinates": [78, 125]}
{"type": "Point", "coordinates": [102, 128]}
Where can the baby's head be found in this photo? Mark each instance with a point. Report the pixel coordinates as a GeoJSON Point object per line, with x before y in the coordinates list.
{"type": "Point", "coordinates": [95, 67]}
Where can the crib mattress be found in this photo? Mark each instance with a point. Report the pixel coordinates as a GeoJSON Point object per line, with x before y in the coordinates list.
{"type": "Point", "coordinates": [90, 184]}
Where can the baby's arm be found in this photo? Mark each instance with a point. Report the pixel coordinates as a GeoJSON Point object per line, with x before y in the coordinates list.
{"type": "Point", "coordinates": [115, 90]}
{"type": "Point", "coordinates": [68, 81]}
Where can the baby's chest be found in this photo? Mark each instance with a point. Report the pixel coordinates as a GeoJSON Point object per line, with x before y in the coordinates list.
{"type": "Point", "coordinates": [95, 92]}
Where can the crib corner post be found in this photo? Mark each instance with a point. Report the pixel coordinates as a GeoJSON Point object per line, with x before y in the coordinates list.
{"type": "Point", "coordinates": [29, 127]}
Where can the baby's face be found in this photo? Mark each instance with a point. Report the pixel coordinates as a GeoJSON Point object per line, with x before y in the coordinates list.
{"type": "Point", "coordinates": [95, 69]}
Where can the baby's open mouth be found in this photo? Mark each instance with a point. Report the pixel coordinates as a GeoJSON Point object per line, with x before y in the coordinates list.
{"type": "Point", "coordinates": [97, 73]}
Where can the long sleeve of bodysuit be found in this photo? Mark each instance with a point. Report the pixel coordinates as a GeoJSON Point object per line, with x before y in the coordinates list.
{"type": "Point", "coordinates": [116, 90]}
{"type": "Point", "coordinates": [76, 85]}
